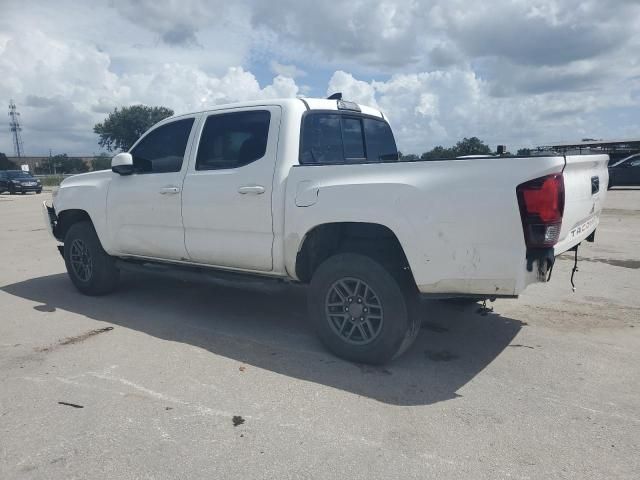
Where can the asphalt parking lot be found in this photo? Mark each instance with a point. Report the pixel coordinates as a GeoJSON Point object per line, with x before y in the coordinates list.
{"type": "Point", "coordinates": [168, 379]}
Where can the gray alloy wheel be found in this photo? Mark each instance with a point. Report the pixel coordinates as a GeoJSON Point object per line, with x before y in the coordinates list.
{"type": "Point", "coordinates": [361, 310]}
{"type": "Point", "coordinates": [354, 311]}
{"type": "Point", "coordinates": [81, 260]}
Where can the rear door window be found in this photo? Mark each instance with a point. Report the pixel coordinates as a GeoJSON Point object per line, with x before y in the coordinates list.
{"type": "Point", "coordinates": [231, 140]}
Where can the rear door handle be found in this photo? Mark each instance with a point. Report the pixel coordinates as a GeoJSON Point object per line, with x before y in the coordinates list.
{"type": "Point", "coordinates": [251, 189]}
{"type": "Point", "coordinates": [169, 190]}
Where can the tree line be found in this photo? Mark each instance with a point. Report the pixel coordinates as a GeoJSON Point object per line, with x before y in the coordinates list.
{"type": "Point", "coordinates": [466, 146]}
{"type": "Point", "coordinates": [61, 164]}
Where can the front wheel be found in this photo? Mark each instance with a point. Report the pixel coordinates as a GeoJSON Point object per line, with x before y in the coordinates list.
{"type": "Point", "coordinates": [90, 268]}
{"type": "Point", "coordinates": [361, 311]}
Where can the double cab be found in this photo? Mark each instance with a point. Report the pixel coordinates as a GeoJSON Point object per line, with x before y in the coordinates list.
{"type": "Point", "coordinates": [312, 191]}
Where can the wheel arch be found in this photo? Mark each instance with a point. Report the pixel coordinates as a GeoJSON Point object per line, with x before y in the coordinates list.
{"type": "Point", "coordinates": [368, 238]}
{"type": "Point", "coordinates": [67, 218]}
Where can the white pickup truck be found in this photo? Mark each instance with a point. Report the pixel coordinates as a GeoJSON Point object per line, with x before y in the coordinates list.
{"type": "Point", "coordinates": [311, 191]}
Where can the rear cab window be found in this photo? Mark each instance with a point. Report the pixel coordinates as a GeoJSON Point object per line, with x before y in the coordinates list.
{"type": "Point", "coordinates": [334, 138]}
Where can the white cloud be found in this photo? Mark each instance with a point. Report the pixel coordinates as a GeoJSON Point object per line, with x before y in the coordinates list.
{"type": "Point", "coordinates": [290, 71]}
{"type": "Point", "coordinates": [352, 89]}
{"type": "Point", "coordinates": [515, 71]}
{"type": "Point", "coordinates": [74, 89]}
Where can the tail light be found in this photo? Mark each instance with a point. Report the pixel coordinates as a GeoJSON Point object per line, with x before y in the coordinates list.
{"type": "Point", "coordinates": [541, 204]}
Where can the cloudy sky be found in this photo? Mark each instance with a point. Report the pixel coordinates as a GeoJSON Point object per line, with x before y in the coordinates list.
{"type": "Point", "coordinates": [520, 72]}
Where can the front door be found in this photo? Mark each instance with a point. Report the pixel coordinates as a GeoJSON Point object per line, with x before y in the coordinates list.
{"type": "Point", "coordinates": [226, 204]}
{"type": "Point", "coordinates": [144, 209]}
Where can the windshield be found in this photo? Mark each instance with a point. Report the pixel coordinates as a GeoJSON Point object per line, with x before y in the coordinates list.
{"type": "Point", "coordinates": [19, 174]}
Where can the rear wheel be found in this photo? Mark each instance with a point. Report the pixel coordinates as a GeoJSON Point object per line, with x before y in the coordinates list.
{"type": "Point", "coordinates": [90, 268]}
{"type": "Point", "coordinates": [362, 311]}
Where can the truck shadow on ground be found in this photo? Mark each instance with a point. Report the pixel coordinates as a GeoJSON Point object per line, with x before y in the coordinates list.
{"type": "Point", "coordinates": [265, 326]}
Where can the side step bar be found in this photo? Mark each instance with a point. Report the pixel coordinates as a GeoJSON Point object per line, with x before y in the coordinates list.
{"type": "Point", "coordinates": [197, 274]}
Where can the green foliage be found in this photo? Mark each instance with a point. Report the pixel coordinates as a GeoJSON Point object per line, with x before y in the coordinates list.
{"type": "Point", "coordinates": [5, 163]}
{"type": "Point", "coordinates": [471, 146]}
{"type": "Point", "coordinates": [101, 162]}
{"type": "Point", "coordinates": [525, 152]}
{"type": "Point", "coordinates": [466, 146]}
{"type": "Point", "coordinates": [51, 180]}
{"type": "Point", "coordinates": [59, 164]}
{"type": "Point", "coordinates": [123, 127]}
{"type": "Point", "coordinates": [439, 152]}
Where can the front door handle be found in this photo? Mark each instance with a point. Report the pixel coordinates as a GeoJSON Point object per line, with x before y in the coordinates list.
{"type": "Point", "coordinates": [169, 190]}
{"type": "Point", "coordinates": [251, 189]}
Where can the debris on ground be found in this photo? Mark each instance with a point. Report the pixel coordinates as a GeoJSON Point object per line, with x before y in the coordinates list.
{"type": "Point", "coordinates": [237, 420]}
{"type": "Point", "coordinates": [74, 405]}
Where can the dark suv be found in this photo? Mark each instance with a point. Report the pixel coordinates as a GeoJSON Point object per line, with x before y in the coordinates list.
{"type": "Point", "coordinates": [18, 181]}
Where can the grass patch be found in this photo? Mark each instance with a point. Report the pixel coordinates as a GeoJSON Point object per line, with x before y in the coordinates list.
{"type": "Point", "coordinates": [51, 180]}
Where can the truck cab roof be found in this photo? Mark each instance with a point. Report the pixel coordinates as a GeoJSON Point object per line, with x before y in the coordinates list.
{"type": "Point", "coordinates": [301, 103]}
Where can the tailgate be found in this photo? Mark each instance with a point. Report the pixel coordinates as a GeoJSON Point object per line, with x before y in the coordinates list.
{"type": "Point", "coordinates": [585, 186]}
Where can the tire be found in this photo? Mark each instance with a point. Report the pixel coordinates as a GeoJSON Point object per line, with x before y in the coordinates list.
{"type": "Point", "coordinates": [38, 191]}
{"type": "Point", "coordinates": [91, 269]}
{"type": "Point", "coordinates": [379, 334]}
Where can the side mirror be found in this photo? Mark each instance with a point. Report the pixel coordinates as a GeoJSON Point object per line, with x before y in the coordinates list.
{"type": "Point", "coordinates": [122, 164]}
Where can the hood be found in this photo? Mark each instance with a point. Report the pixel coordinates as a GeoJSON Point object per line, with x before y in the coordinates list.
{"type": "Point", "coordinates": [88, 178]}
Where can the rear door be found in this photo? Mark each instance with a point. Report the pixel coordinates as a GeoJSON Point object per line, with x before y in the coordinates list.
{"type": "Point", "coordinates": [226, 204]}
{"type": "Point", "coordinates": [585, 185]}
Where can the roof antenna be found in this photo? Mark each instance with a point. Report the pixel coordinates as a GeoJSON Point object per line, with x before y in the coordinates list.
{"type": "Point", "coordinates": [335, 96]}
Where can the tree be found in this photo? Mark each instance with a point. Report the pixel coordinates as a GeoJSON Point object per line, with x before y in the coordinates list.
{"type": "Point", "coordinates": [101, 162]}
{"type": "Point", "coordinates": [438, 152]}
{"type": "Point", "coordinates": [471, 146]}
{"type": "Point", "coordinates": [5, 163]}
{"type": "Point", "coordinates": [409, 157]}
{"type": "Point", "coordinates": [466, 146]}
{"type": "Point", "coordinates": [61, 163]}
{"type": "Point", "coordinates": [123, 127]}
{"type": "Point", "coordinates": [524, 152]}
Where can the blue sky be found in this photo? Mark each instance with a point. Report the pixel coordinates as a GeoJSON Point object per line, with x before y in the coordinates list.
{"type": "Point", "coordinates": [516, 72]}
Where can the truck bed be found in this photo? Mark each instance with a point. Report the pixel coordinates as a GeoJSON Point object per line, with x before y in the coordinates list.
{"type": "Point", "coordinates": [458, 221]}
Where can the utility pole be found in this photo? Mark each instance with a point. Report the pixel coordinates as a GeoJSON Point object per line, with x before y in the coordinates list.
{"type": "Point", "coordinates": [14, 125]}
